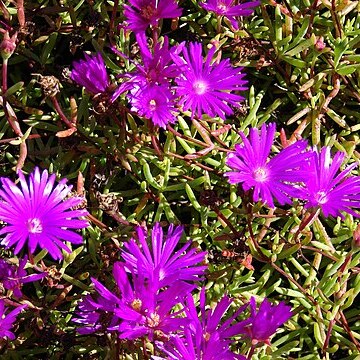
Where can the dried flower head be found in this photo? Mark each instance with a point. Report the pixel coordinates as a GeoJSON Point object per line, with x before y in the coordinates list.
{"type": "Point", "coordinates": [37, 214]}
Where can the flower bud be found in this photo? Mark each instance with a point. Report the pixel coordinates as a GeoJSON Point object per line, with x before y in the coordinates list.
{"type": "Point", "coordinates": [8, 45]}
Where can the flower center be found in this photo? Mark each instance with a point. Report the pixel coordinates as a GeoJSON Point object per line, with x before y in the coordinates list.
{"type": "Point", "coordinates": [34, 226]}
{"type": "Point", "coordinates": [153, 320]}
{"type": "Point", "coordinates": [136, 304]}
{"type": "Point", "coordinates": [222, 8]}
{"type": "Point", "coordinates": [321, 197]}
{"type": "Point", "coordinates": [148, 12]}
{"type": "Point", "coordinates": [260, 174]}
{"type": "Point", "coordinates": [152, 105]}
{"type": "Point", "coordinates": [200, 87]}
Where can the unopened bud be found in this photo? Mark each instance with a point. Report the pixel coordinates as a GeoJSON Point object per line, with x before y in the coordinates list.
{"type": "Point", "coordinates": [8, 45]}
{"type": "Point", "coordinates": [320, 44]}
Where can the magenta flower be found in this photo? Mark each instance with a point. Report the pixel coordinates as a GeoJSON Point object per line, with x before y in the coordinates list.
{"type": "Point", "coordinates": [91, 74]}
{"type": "Point", "coordinates": [162, 263]}
{"type": "Point", "coordinates": [207, 337]}
{"type": "Point", "coordinates": [328, 188]}
{"type": "Point", "coordinates": [7, 320]}
{"type": "Point", "coordinates": [12, 277]}
{"type": "Point", "coordinates": [142, 13]}
{"type": "Point", "coordinates": [138, 309]}
{"type": "Point", "coordinates": [155, 103]}
{"type": "Point", "coordinates": [270, 179]}
{"type": "Point", "coordinates": [231, 9]}
{"type": "Point", "coordinates": [158, 67]}
{"type": "Point", "coordinates": [205, 87]}
{"type": "Point", "coordinates": [97, 315]}
{"type": "Point", "coordinates": [39, 214]}
{"type": "Point", "coordinates": [264, 322]}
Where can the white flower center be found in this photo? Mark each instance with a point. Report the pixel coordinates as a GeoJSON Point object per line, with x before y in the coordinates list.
{"type": "Point", "coordinates": [200, 87]}
{"type": "Point", "coordinates": [34, 226]}
{"type": "Point", "coordinates": [153, 320]}
{"type": "Point", "coordinates": [222, 8]}
{"type": "Point", "coordinates": [260, 174]}
{"type": "Point", "coordinates": [152, 105]}
{"type": "Point", "coordinates": [321, 197]}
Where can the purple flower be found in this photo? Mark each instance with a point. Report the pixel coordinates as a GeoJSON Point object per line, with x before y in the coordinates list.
{"type": "Point", "coordinates": [269, 178]}
{"type": "Point", "coordinates": [38, 214]}
{"type": "Point", "coordinates": [161, 263]}
{"type": "Point", "coordinates": [205, 338]}
{"type": "Point", "coordinates": [205, 87]}
{"type": "Point", "coordinates": [7, 320]}
{"type": "Point", "coordinates": [262, 324]}
{"type": "Point", "coordinates": [328, 188]}
{"type": "Point", "coordinates": [91, 74]}
{"type": "Point", "coordinates": [139, 309]}
{"type": "Point", "coordinates": [12, 277]}
{"type": "Point", "coordinates": [97, 315]}
{"type": "Point", "coordinates": [230, 9]}
{"type": "Point", "coordinates": [158, 67]}
{"type": "Point", "coordinates": [155, 103]}
{"type": "Point", "coordinates": [143, 13]}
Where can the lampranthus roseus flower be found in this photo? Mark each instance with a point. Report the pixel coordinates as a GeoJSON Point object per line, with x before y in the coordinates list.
{"type": "Point", "coordinates": [142, 13]}
{"type": "Point", "coordinates": [328, 188]}
{"type": "Point", "coordinates": [96, 314]}
{"type": "Point", "coordinates": [264, 322]}
{"type": "Point", "coordinates": [91, 74]}
{"type": "Point", "coordinates": [206, 337]}
{"type": "Point", "coordinates": [270, 178]}
{"type": "Point", "coordinates": [231, 9]}
{"type": "Point", "coordinates": [160, 261]}
{"type": "Point", "coordinates": [206, 87]}
{"type": "Point", "coordinates": [157, 66]}
{"type": "Point", "coordinates": [7, 320]}
{"type": "Point", "coordinates": [141, 310]}
{"type": "Point", "coordinates": [12, 277]}
{"type": "Point", "coordinates": [38, 214]}
{"type": "Point", "coordinates": [155, 103]}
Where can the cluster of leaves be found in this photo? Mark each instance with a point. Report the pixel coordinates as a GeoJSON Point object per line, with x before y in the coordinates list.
{"type": "Point", "coordinates": [303, 71]}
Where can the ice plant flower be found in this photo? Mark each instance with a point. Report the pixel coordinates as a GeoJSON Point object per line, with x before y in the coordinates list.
{"type": "Point", "coordinates": [206, 337]}
{"type": "Point", "coordinates": [231, 9]}
{"type": "Point", "coordinates": [142, 13]}
{"type": "Point", "coordinates": [12, 277]}
{"type": "Point", "coordinates": [38, 214]}
{"type": "Point", "coordinates": [96, 314]}
{"type": "Point", "coordinates": [155, 103]}
{"type": "Point", "coordinates": [270, 178]}
{"type": "Point", "coordinates": [205, 87]}
{"type": "Point", "coordinates": [138, 309]}
{"type": "Point", "coordinates": [157, 65]}
{"type": "Point", "coordinates": [264, 322]}
{"type": "Point", "coordinates": [161, 262]}
{"type": "Point", "coordinates": [328, 188]}
{"type": "Point", "coordinates": [91, 74]}
{"type": "Point", "coordinates": [7, 320]}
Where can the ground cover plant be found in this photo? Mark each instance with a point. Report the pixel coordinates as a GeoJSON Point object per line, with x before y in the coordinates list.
{"type": "Point", "coordinates": [179, 179]}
